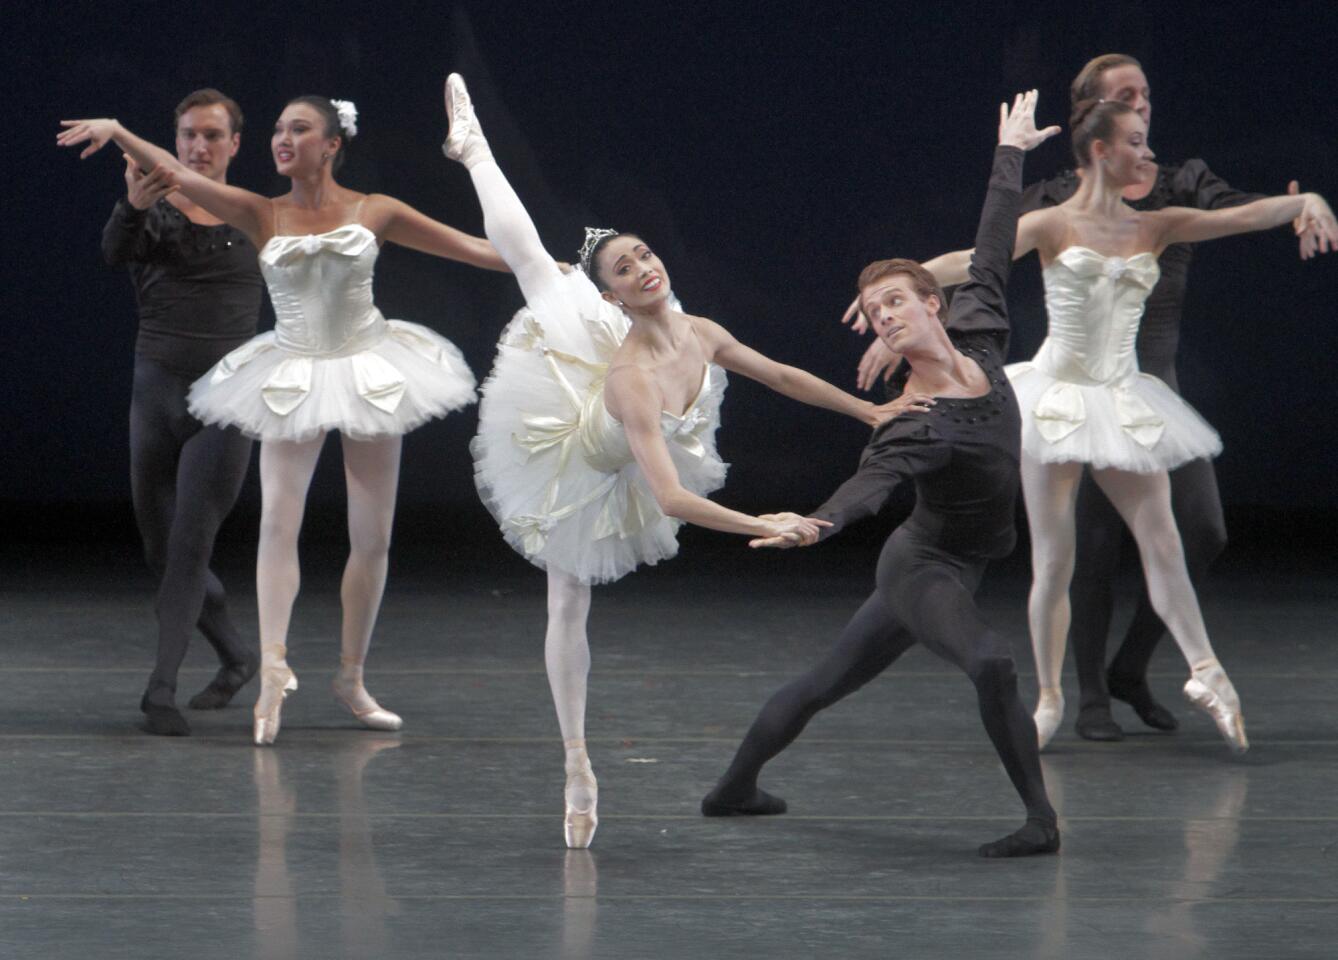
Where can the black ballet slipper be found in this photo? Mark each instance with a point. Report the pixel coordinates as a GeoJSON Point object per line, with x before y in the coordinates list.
{"type": "Point", "coordinates": [1036, 836]}
{"type": "Point", "coordinates": [164, 721]}
{"type": "Point", "coordinates": [760, 804]}
{"type": "Point", "coordinates": [1137, 695]}
{"type": "Point", "coordinates": [1095, 723]}
{"type": "Point", "coordinates": [225, 685]}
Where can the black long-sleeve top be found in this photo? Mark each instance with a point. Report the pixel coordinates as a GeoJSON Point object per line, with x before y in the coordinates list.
{"type": "Point", "coordinates": [198, 288]}
{"type": "Point", "coordinates": [963, 454]}
{"type": "Point", "coordinates": [1188, 184]}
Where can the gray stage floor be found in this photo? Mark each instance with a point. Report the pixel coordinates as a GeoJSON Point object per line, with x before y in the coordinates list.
{"type": "Point", "coordinates": [445, 840]}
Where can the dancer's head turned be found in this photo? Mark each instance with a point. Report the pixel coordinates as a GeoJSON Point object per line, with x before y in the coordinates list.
{"type": "Point", "coordinates": [1114, 76]}
{"type": "Point", "coordinates": [627, 271]}
{"type": "Point", "coordinates": [309, 134]}
{"type": "Point", "coordinates": [208, 132]}
{"type": "Point", "coordinates": [904, 303]}
{"type": "Point", "coordinates": [1111, 135]}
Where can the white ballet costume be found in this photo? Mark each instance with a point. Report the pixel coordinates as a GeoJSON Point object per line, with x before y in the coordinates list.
{"type": "Point", "coordinates": [554, 467]}
{"type": "Point", "coordinates": [1082, 396]}
{"type": "Point", "coordinates": [1084, 402]}
{"type": "Point", "coordinates": [332, 361]}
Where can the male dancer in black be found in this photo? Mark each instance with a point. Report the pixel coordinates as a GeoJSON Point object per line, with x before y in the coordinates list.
{"type": "Point", "coordinates": [959, 439]}
{"type": "Point", "coordinates": [199, 289]}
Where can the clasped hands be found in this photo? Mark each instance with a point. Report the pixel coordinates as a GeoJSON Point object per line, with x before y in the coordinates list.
{"type": "Point", "coordinates": [789, 530]}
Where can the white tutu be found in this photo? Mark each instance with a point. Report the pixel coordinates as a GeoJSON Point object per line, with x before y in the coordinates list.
{"type": "Point", "coordinates": [551, 464]}
{"type": "Point", "coordinates": [406, 376]}
{"type": "Point", "coordinates": [1142, 427]}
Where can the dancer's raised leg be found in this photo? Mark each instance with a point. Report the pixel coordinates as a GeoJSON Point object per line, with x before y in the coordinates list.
{"type": "Point", "coordinates": [567, 657]}
{"type": "Point", "coordinates": [1144, 501]}
{"type": "Point", "coordinates": [285, 474]}
{"type": "Point", "coordinates": [1050, 491]}
{"type": "Point", "coordinates": [371, 474]}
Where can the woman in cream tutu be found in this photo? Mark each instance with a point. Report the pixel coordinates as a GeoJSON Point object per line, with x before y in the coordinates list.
{"type": "Point", "coordinates": [1085, 404]}
{"type": "Point", "coordinates": [332, 362]}
{"type": "Point", "coordinates": [597, 427]}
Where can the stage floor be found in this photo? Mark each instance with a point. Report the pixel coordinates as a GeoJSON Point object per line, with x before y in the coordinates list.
{"type": "Point", "coordinates": [445, 840]}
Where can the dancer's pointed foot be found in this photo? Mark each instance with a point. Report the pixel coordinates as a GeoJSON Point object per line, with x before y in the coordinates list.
{"type": "Point", "coordinates": [276, 682]}
{"type": "Point", "coordinates": [1209, 689]}
{"type": "Point", "coordinates": [760, 804]}
{"type": "Point", "coordinates": [1136, 693]}
{"type": "Point", "coordinates": [1049, 714]}
{"type": "Point", "coordinates": [163, 720]}
{"type": "Point", "coordinates": [225, 685]}
{"type": "Point", "coordinates": [1036, 836]}
{"type": "Point", "coordinates": [465, 141]}
{"type": "Point", "coordinates": [350, 691]}
{"type": "Point", "coordinates": [1096, 723]}
{"type": "Point", "coordinates": [580, 797]}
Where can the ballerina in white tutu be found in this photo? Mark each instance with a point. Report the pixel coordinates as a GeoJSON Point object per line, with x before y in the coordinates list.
{"type": "Point", "coordinates": [597, 427]}
{"type": "Point", "coordinates": [332, 362]}
{"type": "Point", "coordinates": [1085, 403]}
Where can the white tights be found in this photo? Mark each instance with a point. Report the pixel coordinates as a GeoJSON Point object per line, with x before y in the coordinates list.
{"type": "Point", "coordinates": [1144, 503]}
{"type": "Point", "coordinates": [509, 229]}
{"type": "Point", "coordinates": [371, 474]}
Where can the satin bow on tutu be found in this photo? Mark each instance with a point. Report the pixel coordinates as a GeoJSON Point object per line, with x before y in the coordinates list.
{"type": "Point", "coordinates": [1141, 269]}
{"type": "Point", "coordinates": [1061, 409]}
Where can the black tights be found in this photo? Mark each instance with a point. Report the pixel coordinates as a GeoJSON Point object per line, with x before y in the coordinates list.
{"type": "Point", "coordinates": [922, 594]}
{"type": "Point", "coordinates": [184, 478]}
{"type": "Point", "coordinates": [1100, 531]}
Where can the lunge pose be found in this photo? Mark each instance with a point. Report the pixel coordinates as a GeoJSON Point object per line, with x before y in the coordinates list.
{"type": "Point", "coordinates": [198, 289]}
{"type": "Point", "coordinates": [1195, 502]}
{"type": "Point", "coordinates": [597, 427]}
{"type": "Point", "coordinates": [958, 440]}
{"type": "Point", "coordinates": [332, 362]}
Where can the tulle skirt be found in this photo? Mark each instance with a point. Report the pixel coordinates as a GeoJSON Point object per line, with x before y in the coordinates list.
{"type": "Point", "coordinates": [406, 376]}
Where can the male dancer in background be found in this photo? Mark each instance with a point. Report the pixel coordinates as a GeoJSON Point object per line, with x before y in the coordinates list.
{"type": "Point", "coordinates": [959, 438]}
{"type": "Point", "coordinates": [199, 290]}
{"type": "Point", "coordinates": [1195, 499]}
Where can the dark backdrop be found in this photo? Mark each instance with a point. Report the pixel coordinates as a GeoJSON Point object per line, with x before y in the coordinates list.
{"type": "Point", "coordinates": [767, 150]}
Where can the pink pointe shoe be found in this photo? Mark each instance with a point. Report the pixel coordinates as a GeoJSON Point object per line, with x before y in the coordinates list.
{"type": "Point", "coordinates": [277, 681]}
{"type": "Point", "coordinates": [1210, 690]}
{"type": "Point", "coordinates": [465, 141]}
{"type": "Point", "coordinates": [581, 797]}
{"type": "Point", "coordinates": [1049, 714]}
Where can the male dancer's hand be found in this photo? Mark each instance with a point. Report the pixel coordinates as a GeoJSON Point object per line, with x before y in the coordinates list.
{"type": "Point", "coordinates": [1017, 128]}
{"type": "Point", "coordinates": [853, 312]}
{"type": "Point", "coordinates": [878, 359]}
{"type": "Point", "coordinates": [1316, 227]}
{"type": "Point", "coordinates": [789, 530]}
{"type": "Point", "coordinates": [142, 189]}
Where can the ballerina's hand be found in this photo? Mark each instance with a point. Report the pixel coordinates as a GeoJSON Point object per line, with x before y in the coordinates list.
{"type": "Point", "coordinates": [906, 403]}
{"type": "Point", "coordinates": [143, 190]}
{"type": "Point", "coordinates": [96, 132]}
{"type": "Point", "coordinates": [878, 359]}
{"type": "Point", "coordinates": [853, 312]}
{"type": "Point", "coordinates": [1317, 220]}
{"type": "Point", "coordinates": [789, 530]}
{"type": "Point", "coordinates": [1017, 128]}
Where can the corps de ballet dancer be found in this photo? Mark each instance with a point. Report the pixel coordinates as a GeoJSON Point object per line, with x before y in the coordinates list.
{"type": "Point", "coordinates": [198, 290]}
{"type": "Point", "coordinates": [597, 427]}
{"type": "Point", "coordinates": [957, 438]}
{"type": "Point", "coordinates": [1086, 404]}
{"type": "Point", "coordinates": [1195, 501]}
{"type": "Point", "coordinates": [332, 362]}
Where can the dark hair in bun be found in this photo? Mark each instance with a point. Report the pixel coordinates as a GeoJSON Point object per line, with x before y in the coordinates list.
{"type": "Point", "coordinates": [326, 108]}
{"type": "Point", "coordinates": [1093, 119]}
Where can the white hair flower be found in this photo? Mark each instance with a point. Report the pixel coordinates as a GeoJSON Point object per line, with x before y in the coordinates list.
{"type": "Point", "coordinates": [348, 117]}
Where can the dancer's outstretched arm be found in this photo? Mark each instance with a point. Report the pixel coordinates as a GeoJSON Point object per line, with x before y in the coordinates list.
{"type": "Point", "coordinates": [249, 212]}
{"type": "Point", "coordinates": [1307, 211]}
{"type": "Point", "coordinates": [790, 381]}
{"type": "Point", "coordinates": [397, 222]}
{"type": "Point", "coordinates": [633, 393]}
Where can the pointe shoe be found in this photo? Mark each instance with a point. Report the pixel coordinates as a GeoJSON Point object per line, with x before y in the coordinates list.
{"type": "Point", "coordinates": [1049, 714]}
{"type": "Point", "coordinates": [1210, 690]}
{"type": "Point", "coordinates": [375, 717]}
{"type": "Point", "coordinates": [465, 141]}
{"type": "Point", "coordinates": [266, 726]}
{"type": "Point", "coordinates": [579, 823]}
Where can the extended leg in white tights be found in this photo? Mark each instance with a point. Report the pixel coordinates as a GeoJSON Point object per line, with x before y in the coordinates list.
{"type": "Point", "coordinates": [1144, 502]}
{"type": "Point", "coordinates": [371, 473]}
{"type": "Point", "coordinates": [567, 657]}
{"type": "Point", "coordinates": [285, 475]}
{"type": "Point", "coordinates": [1050, 491]}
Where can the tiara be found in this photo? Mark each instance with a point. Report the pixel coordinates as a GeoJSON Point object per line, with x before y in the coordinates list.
{"type": "Point", "coordinates": [593, 235]}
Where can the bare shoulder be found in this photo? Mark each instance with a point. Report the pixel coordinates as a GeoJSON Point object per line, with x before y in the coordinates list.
{"type": "Point", "coordinates": [712, 334]}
